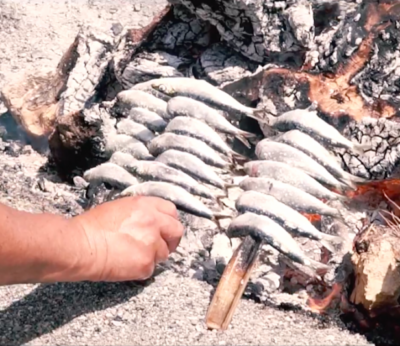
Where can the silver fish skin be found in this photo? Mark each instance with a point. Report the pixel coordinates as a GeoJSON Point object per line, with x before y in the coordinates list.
{"type": "Point", "coordinates": [197, 129]}
{"type": "Point", "coordinates": [290, 219]}
{"type": "Point", "coordinates": [135, 130]}
{"type": "Point", "coordinates": [157, 171]}
{"type": "Point", "coordinates": [192, 166]}
{"type": "Point", "coordinates": [110, 173]}
{"type": "Point", "coordinates": [309, 122]}
{"type": "Point", "coordinates": [121, 159]}
{"type": "Point", "coordinates": [315, 150]}
{"type": "Point", "coordinates": [290, 175]}
{"type": "Point", "coordinates": [267, 149]}
{"type": "Point", "coordinates": [188, 107]}
{"type": "Point", "coordinates": [262, 227]}
{"type": "Point", "coordinates": [186, 144]}
{"type": "Point", "coordinates": [148, 118]}
{"type": "Point", "coordinates": [127, 144]}
{"type": "Point", "coordinates": [289, 195]}
{"type": "Point", "coordinates": [128, 99]}
{"type": "Point", "coordinates": [204, 92]}
{"type": "Point", "coordinates": [182, 199]}
{"type": "Point", "coordinates": [147, 88]}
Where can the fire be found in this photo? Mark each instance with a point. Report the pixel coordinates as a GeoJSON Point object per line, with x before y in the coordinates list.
{"type": "Point", "coordinates": [320, 306]}
{"type": "Point", "coordinates": [377, 191]}
{"type": "Point", "coordinates": [312, 217]}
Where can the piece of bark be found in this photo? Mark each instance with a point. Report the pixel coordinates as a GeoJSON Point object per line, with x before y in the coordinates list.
{"type": "Point", "coordinates": [131, 42]}
{"type": "Point", "coordinates": [220, 64]}
{"type": "Point", "coordinates": [92, 55]}
{"type": "Point", "coordinates": [79, 140]}
{"type": "Point", "coordinates": [232, 284]}
{"type": "Point", "coordinates": [145, 66]}
{"type": "Point", "coordinates": [32, 99]}
{"type": "Point", "coordinates": [36, 100]}
{"type": "Point", "coordinates": [254, 28]}
{"type": "Point", "coordinates": [343, 55]}
{"type": "Point", "coordinates": [92, 76]}
{"type": "Point", "coordinates": [382, 161]}
{"type": "Point", "coordinates": [183, 34]}
{"type": "Point", "coordinates": [377, 271]}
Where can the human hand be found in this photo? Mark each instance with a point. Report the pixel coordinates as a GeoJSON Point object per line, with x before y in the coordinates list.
{"type": "Point", "coordinates": [126, 238]}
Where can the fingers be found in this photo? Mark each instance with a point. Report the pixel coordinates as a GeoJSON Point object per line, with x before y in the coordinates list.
{"type": "Point", "coordinates": [162, 252]}
{"type": "Point", "coordinates": [150, 202]}
{"type": "Point", "coordinates": [171, 231]}
{"type": "Point", "coordinates": [165, 207]}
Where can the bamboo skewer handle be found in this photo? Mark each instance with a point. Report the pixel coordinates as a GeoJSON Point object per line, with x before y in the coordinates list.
{"type": "Point", "coordinates": [232, 284]}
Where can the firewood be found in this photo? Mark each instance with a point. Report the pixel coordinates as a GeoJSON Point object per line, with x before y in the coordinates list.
{"type": "Point", "coordinates": [376, 263]}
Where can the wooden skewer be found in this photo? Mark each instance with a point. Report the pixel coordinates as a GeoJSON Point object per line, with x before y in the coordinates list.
{"type": "Point", "coordinates": [232, 284]}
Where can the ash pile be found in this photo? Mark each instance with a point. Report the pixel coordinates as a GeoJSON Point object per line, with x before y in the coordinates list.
{"type": "Point", "coordinates": [254, 118]}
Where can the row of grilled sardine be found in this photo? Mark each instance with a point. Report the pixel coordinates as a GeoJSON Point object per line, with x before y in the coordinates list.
{"type": "Point", "coordinates": [169, 138]}
{"type": "Point", "coordinates": [173, 148]}
{"type": "Point", "coordinates": [294, 174]}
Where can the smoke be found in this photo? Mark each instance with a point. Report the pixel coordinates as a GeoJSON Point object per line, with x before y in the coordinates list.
{"type": "Point", "coordinates": [11, 131]}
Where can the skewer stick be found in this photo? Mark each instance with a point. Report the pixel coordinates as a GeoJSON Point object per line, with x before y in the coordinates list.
{"type": "Point", "coordinates": [232, 284]}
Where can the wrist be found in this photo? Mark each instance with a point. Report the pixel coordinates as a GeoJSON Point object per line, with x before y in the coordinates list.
{"type": "Point", "coordinates": [67, 260]}
{"type": "Point", "coordinates": [40, 248]}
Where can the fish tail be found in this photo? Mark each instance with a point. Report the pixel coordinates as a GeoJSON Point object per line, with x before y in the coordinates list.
{"type": "Point", "coordinates": [360, 149]}
{"type": "Point", "coordinates": [346, 185]}
{"type": "Point", "coordinates": [320, 268]}
{"type": "Point", "coordinates": [257, 114]}
{"type": "Point", "coordinates": [341, 198]}
{"type": "Point", "coordinates": [219, 197]}
{"type": "Point", "coordinates": [340, 216]}
{"type": "Point", "coordinates": [255, 117]}
{"type": "Point", "coordinates": [244, 137]}
{"type": "Point", "coordinates": [327, 241]}
{"type": "Point", "coordinates": [243, 140]}
{"type": "Point", "coordinates": [355, 179]}
{"type": "Point", "coordinates": [90, 190]}
{"type": "Point", "coordinates": [217, 216]}
{"type": "Point", "coordinates": [230, 186]}
{"type": "Point", "coordinates": [238, 158]}
{"type": "Point", "coordinates": [335, 239]}
{"type": "Point", "coordinates": [327, 245]}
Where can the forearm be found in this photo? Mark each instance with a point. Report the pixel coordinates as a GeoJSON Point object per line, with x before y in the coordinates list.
{"type": "Point", "coordinates": [37, 247]}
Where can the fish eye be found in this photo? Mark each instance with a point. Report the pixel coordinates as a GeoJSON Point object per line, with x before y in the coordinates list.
{"type": "Point", "coordinates": [162, 88]}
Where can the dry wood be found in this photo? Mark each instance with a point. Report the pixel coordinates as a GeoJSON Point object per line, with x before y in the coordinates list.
{"type": "Point", "coordinates": [232, 284]}
{"type": "Point", "coordinates": [377, 269]}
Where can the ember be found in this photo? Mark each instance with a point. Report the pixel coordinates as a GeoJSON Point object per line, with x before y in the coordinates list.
{"type": "Point", "coordinates": [321, 306]}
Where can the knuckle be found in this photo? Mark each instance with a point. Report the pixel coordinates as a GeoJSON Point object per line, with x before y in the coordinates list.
{"type": "Point", "coordinates": [148, 266]}
{"type": "Point", "coordinates": [180, 230]}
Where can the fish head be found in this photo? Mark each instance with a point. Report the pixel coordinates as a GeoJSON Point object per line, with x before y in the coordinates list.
{"type": "Point", "coordinates": [163, 88]}
{"type": "Point", "coordinates": [251, 168]}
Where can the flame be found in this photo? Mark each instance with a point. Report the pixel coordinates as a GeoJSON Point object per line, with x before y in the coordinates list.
{"type": "Point", "coordinates": [312, 217]}
{"type": "Point", "coordinates": [322, 305]}
{"type": "Point", "coordinates": [377, 191]}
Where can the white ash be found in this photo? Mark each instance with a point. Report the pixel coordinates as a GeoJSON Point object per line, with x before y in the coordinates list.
{"type": "Point", "coordinates": [220, 65]}
{"type": "Point", "coordinates": [380, 162]}
{"type": "Point", "coordinates": [89, 69]}
{"type": "Point", "coordinates": [146, 66]}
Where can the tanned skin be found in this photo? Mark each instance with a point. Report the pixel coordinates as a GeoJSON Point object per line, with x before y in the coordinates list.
{"type": "Point", "coordinates": [119, 240]}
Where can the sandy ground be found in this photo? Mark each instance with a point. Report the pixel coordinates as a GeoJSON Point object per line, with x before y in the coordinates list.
{"type": "Point", "coordinates": [170, 310]}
